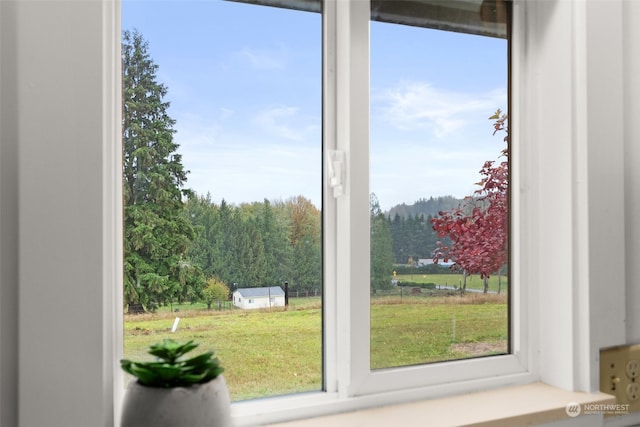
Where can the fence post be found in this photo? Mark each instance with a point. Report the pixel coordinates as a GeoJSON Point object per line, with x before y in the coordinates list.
{"type": "Point", "coordinates": [286, 293]}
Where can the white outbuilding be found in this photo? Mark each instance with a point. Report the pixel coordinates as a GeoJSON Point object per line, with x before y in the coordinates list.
{"type": "Point", "coordinates": [266, 297]}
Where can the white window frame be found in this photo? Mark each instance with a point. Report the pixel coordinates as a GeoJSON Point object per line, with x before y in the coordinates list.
{"type": "Point", "coordinates": [349, 382]}
{"type": "Point", "coordinates": [353, 221]}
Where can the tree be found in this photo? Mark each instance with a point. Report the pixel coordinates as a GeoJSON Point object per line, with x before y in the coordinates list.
{"type": "Point", "coordinates": [205, 250]}
{"type": "Point", "coordinates": [248, 253]}
{"type": "Point", "coordinates": [305, 241]}
{"type": "Point", "coordinates": [381, 248]}
{"type": "Point", "coordinates": [275, 229]}
{"type": "Point", "coordinates": [156, 234]}
{"type": "Point", "coordinates": [478, 228]}
{"type": "Point", "coordinates": [215, 291]}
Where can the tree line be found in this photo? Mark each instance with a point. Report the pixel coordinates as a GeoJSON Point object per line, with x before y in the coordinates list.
{"type": "Point", "coordinates": [181, 246]}
{"type": "Point", "coordinates": [256, 244]}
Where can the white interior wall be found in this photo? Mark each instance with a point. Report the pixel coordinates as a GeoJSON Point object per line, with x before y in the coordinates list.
{"type": "Point", "coordinates": [604, 169]}
{"type": "Point", "coordinates": [631, 166]}
{"type": "Point", "coordinates": [56, 349]}
{"type": "Point", "coordinates": [571, 141]}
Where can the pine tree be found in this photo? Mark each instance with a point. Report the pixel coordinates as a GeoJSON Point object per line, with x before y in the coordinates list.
{"type": "Point", "coordinates": [206, 250]}
{"type": "Point", "coordinates": [157, 236]}
{"type": "Point", "coordinates": [381, 248]}
{"type": "Point", "coordinates": [274, 229]}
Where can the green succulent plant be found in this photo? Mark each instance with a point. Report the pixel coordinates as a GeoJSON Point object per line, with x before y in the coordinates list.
{"type": "Point", "coordinates": [171, 369]}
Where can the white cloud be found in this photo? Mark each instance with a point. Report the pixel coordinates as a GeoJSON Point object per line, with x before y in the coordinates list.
{"type": "Point", "coordinates": [399, 176]}
{"type": "Point", "coordinates": [411, 122]}
{"type": "Point", "coordinates": [284, 122]}
{"type": "Point", "coordinates": [419, 105]}
{"type": "Point", "coordinates": [225, 113]}
{"type": "Point", "coordinates": [243, 171]}
{"type": "Point", "coordinates": [242, 164]}
{"type": "Point", "coordinates": [265, 59]}
{"type": "Point", "coordinates": [275, 153]}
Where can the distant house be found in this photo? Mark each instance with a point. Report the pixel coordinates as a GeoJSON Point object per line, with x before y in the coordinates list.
{"type": "Point", "coordinates": [428, 261]}
{"type": "Point", "coordinates": [249, 298]}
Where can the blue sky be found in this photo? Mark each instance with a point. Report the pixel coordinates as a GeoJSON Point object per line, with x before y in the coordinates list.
{"type": "Point", "coordinates": [244, 84]}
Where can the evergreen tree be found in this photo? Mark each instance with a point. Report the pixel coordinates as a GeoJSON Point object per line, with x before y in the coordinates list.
{"type": "Point", "coordinates": [381, 248]}
{"type": "Point", "coordinates": [157, 235]}
{"type": "Point", "coordinates": [249, 253]}
{"type": "Point", "coordinates": [396, 228]}
{"type": "Point", "coordinates": [207, 247]}
{"type": "Point", "coordinates": [275, 231]}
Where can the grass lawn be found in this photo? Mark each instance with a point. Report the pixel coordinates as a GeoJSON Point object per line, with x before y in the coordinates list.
{"type": "Point", "coordinates": [267, 353]}
{"type": "Point", "coordinates": [414, 333]}
{"type": "Point", "coordinates": [264, 353]}
{"type": "Point", "coordinates": [473, 282]}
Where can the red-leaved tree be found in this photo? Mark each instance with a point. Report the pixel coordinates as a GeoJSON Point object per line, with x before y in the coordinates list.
{"type": "Point", "coordinates": [478, 228]}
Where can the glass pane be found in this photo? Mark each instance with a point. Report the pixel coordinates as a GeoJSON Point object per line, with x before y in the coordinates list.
{"type": "Point", "coordinates": [432, 92]}
{"type": "Point", "coordinates": [237, 258]}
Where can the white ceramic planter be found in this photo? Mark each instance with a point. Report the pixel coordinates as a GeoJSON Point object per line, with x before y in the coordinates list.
{"type": "Point", "coordinates": [202, 405]}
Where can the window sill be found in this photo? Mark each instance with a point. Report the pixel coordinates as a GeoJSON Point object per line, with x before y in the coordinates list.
{"type": "Point", "coordinates": [529, 404]}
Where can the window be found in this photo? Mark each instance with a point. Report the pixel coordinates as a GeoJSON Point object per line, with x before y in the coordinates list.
{"type": "Point", "coordinates": [244, 86]}
{"type": "Point", "coordinates": [432, 91]}
{"type": "Point", "coordinates": [347, 354]}
{"type": "Point", "coordinates": [353, 232]}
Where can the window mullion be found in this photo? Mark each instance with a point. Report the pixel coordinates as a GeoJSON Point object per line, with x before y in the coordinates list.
{"type": "Point", "coordinates": [330, 297]}
{"type": "Point", "coordinates": [352, 208]}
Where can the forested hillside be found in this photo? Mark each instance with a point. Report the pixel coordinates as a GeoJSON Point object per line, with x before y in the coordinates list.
{"type": "Point", "coordinates": [412, 234]}
{"type": "Point", "coordinates": [426, 207]}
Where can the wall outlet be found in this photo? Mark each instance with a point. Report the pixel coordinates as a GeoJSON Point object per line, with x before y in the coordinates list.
{"type": "Point", "coordinates": [632, 368]}
{"type": "Point", "coordinates": [633, 391]}
{"type": "Point", "coordinates": [620, 374]}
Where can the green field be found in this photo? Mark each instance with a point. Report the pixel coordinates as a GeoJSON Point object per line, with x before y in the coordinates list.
{"type": "Point", "coordinates": [268, 353]}
{"type": "Point", "coordinates": [473, 282]}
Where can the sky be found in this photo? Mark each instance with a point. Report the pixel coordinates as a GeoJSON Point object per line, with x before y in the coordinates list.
{"type": "Point", "coordinates": [245, 87]}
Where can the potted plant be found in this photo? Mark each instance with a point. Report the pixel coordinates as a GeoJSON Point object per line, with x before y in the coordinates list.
{"type": "Point", "coordinates": [176, 391]}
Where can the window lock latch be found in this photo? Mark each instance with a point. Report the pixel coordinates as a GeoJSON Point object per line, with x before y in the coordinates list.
{"type": "Point", "coordinates": [336, 165]}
